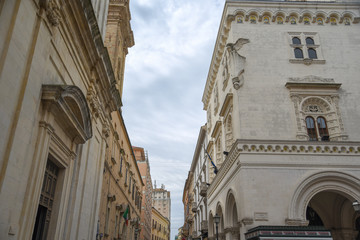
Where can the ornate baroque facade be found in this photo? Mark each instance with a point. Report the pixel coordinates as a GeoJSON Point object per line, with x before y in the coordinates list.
{"type": "Point", "coordinates": [54, 82]}
{"type": "Point", "coordinates": [281, 100]}
{"type": "Point", "coordinates": [120, 206]}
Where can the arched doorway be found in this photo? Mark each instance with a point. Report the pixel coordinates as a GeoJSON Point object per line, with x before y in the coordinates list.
{"type": "Point", "coordinates": [219, 211]}
{"type": "Point", "coordinates": [334, 211]}
{"type": "Point", "coordinates": [325, 198]}
{"type": "Point", "coordinates": [231, 215]}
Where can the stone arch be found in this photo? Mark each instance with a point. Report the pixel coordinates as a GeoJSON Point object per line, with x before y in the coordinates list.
{"type": "Point", "coordinates": [221, 226]}
{"type": "Point", "coordinates": [211, 230]}
{"type": "Point", "coordinates": [348, 14]}
{"type": "Point", "coordinates": [333, 181]}
{"type": "Point", "coordinates": [335, 14]}
{"type": "Point", "coordinates": [70, 107]}
{"type": "Point", "coordinates": [231, 210]}
{"type": "Point", "coordinates": [325, 105]}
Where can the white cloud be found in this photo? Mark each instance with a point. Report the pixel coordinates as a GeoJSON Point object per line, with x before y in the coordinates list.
{"type": "Point", "coordinates": [165, 75]}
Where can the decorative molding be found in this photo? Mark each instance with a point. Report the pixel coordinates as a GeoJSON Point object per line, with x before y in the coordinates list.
{"type": "Point", "coordinates": [312, 79]}
{"type": "Point", "coordinates": [52, 11]}
{"type": "Point", "coordinates": [247, 221]}
{"type": "Point", "coordinates": [283, 148]}
{"type": "Point", "coordinates": [296, 222]}
{"type": "Point", "coordinates": [216, 129]}
{"type": "Point", "coordinates": [227, 102]}
{"type": "Point", "coordinates": [307, 61]}
{"type": "Point", "coordinates": [69, 105]}
{"type": "Point", "coordinates": [312, 96]}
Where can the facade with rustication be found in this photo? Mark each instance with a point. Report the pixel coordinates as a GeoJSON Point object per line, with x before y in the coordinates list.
{"type": "Point", "coordinates": [282, 109]}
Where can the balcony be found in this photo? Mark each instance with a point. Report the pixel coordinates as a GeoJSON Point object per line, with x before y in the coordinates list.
{"type": "Point", "coordinates": [204, 226]}
{"type": "Point", "coordinates": [203, 189]}
{"type": "Point", "coordinates": [194, 207]}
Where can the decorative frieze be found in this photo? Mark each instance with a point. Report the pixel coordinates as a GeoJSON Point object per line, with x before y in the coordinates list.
{"type": "Point", "coordinates": [295, 148]}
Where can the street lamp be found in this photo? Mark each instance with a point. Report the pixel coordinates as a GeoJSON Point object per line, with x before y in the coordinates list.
{"type": "Point", "coordinates": [356, 206]}
{"type": "Point", "coordinates": [217, 220]}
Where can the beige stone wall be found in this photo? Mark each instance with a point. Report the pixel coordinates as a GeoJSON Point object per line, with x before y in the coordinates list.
{"type": "Point", "coordinates": [42, 45]}
{"type": "Point", "coordinates": [146, 205]}
{"type": "Point", "coordinates": [119, 37]}
{"type": "Point", "coordinates": [160, 226]}
{"type": "Point", "coordinates": [272, 172]}
{"type": "Point", "coordinates": [122, 186]}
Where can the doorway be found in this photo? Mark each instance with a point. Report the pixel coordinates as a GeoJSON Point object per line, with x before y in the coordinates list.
{"type": "Point", "coordinates": [46, 201]}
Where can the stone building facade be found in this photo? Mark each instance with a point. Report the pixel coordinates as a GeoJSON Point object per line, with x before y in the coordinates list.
{"type": "Point", "coordinates": [146, 205]}
{"type": "Point", "coordinates": [199, 169]}
{"type": "Point", "coordinates": [160, 226]}
{"type": "Point", "coordinates": [120, 205]}
{"type": "Point", "coordinates": [188, 200]}
{"type": "Point", "coordinates": [161, 201]}
{"type": "Point", "coordinates": [120, 208]}
{"type": "Point", "coordinates": [281, 100]}
{"type": "Point", "coordinates": [57, 94]}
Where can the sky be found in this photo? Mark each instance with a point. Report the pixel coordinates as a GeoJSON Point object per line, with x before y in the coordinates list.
{"type": "Point", "coordinates": [165, 76]}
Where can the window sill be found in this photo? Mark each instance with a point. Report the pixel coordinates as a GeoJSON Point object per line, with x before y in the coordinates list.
{"type": "Point", "coordinates": [307, 61]}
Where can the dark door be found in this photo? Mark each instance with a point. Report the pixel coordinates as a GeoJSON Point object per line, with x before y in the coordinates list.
{"type": "Point", "coordinates": [46, 202]}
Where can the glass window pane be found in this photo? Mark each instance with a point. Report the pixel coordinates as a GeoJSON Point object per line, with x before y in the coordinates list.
{"type": "Point", "coordinates": [323, 131]}
{"type": "Point", "coordinates": [310, 125]}
{"type": "Point", "coordinates": [309, 41]}
{"type": "Point", "coordinates": [296, 40]}
{"type": "Point", "coordinates": [298, 53]}
{"type": "Point", "coordinates": [312, 53]}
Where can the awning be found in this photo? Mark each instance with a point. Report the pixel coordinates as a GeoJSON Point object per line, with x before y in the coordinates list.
{"type": "Point", "coordinates": [288, 233]}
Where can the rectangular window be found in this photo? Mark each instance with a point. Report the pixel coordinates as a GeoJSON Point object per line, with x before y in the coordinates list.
{"type": "Point", "coordinates": [121, 162]}
{"type": "Point", "coordinates": [126, 173]}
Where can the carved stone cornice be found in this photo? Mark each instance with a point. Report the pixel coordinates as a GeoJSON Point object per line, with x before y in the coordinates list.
{"type": "Point", "coordinates": [312, 81]}
{"type": "Point", "coordinates": [119, 13]}
{"type": "Point", "coordinates": [280, 148]}
{"type": "Point", "coordinates": [70, 108]}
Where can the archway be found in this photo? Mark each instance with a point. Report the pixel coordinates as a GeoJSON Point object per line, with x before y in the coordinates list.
{"type": "Point", "coordinates": [231, 215]}
{"type": "Point", "coordinates": [325, 198]}
{"type": "Point", "coordinates": [334, 211]}
{"type": "Point", "coordinates": [219, 211]}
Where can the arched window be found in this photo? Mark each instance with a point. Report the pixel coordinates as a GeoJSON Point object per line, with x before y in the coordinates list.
{"type": "Point", "coordinates": [296, 40]}
{"type": "Point", "coordinates": [309, 41]}
{"type": "Point", "coordinates": [312, 53]}
{"type": "Point", "coordinates": [322, 127]}
{"type": "Point", "coordinates": [298, 53]}
{"type": "Point", "coordinates": [310, 125]}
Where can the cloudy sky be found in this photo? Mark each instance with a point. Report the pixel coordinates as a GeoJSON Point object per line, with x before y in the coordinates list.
{"type": "Point", "coordinates": [165, 76]}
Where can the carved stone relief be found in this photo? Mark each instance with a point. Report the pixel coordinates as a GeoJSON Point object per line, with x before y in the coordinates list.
{"type": "Point", "coordinates": [209, 119]}
{"type": "Point", "coordinates": [93, 100]}
{"type": "Point", "coordinates": [216, 99]}
{"type": "Point", "coordinates": [52, 11]}
{"type": "Point", "coordinates": [219, 158]}
{"type": "Point", "coordinates": [316, 106]}
{"type": "Point", "coordinates": [236, 62]}
{"type": "Point", "coordinates": [229, 138]}
{"type": "Point", "coordinates": [225, 73]}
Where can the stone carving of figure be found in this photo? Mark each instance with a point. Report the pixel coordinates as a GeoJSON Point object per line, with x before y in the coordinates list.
{"type": "Point", "coordinates": [236, 62]}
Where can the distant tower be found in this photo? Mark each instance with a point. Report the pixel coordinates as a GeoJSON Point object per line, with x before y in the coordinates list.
{"type": "Point", "coordinates": [161, 200]}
